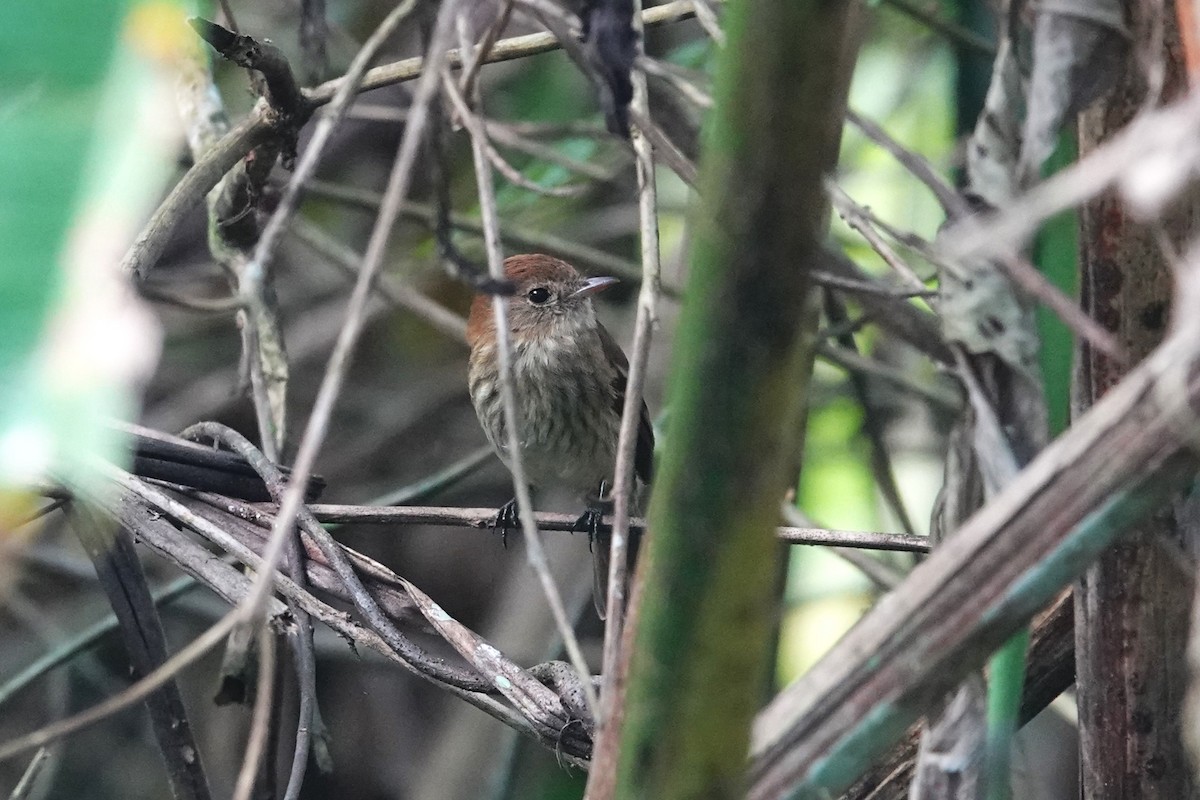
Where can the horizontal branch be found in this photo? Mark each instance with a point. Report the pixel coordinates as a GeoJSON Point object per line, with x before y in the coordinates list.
{"type": "Point", "coordinates": [504, 50]}
{"type": "Point", "coordinates": [484, 518]}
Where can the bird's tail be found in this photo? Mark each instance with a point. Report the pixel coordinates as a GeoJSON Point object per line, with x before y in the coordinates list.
{"type": "Point", "coordinates": [601, 559]}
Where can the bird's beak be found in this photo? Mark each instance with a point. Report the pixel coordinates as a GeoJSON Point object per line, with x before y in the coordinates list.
{"type": "Point", "coordinates": [592, 286]}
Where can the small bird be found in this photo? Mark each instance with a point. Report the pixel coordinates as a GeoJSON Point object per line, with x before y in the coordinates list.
{"type": "Point", "coordinates": [569, 378]}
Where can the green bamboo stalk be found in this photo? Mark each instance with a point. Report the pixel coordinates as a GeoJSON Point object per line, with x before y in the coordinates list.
{"type": "Point", "coordinates": [698, 665]}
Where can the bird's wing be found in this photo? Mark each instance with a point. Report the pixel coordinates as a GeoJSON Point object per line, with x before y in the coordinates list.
{"type": "Point", "coordinates": [643, 456]}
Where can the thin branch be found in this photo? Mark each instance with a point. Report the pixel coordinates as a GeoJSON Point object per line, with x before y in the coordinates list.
{"type": "Point", "coordinates": [512, 422]}
{"type": "Point", "coordinates": [849, 360]}
{"type": "Point", "coordinates": [671, 75]}
{"type": "Point", "coordinates": [328, 122]}
{"type": "Point", "coordinates": [528, 238]}
{"type": "Point", "coordinates": [261, 715]}
{"type": "Point", "coordinates": [872, 422]}
{"type": "Point", "coordinates": [73, 646]}
{"type": "Point", "coordinates": [471, 72]}
{"type": "Point", "coordinates": [858, 221]}
{"type": "Point", "coordinates": [507, 136]}
{"type": "Point", "coordinates": [875, 287]}
{"type": "Point", "coordinates": [33, 516]}
{"type": "Point", "coordinates": [546, 703]}
{"type": "Point", "coordinates": [29, 777]}
{"type": "Point", "coordinates": [191, 653]}
{"type": "Point", "coordinates": [504, 50]}
{"type": "Point", "coordinates": [667, 151]}
{"type": "Point", "coordinates": [336, 559]}
{"type": "Point", "coordinates": [647, 317]}
{"type": "Point", "coordinates": [350, 263]}
{"type": "Point", "coordinates": [1017, 269]}
{"type": "Point", "coordinates": [250, 608]}
{"type": "Point", "coordinates": [283, 93]}
{"type": "Point", "coordinates": [438, 481]}
{"type": "Point", "coordinates": [201, 305]}
{"type": "Point", "coordinates": [474, 123]}
{"type": "Point", "coordinates": [882, 575]}
{"type": "Point", "coordinates": [706, 15]}
{"type": "Point", "coordinates": [898, 317]}
{"type": "Point", "coordinates": [482, 518]}
{"type": "Point", "coordinates": [951, 202]}
{"type": "Point", "coordinates": [957, 34]}
{"type": "Point", "coordinates": [231, 584]}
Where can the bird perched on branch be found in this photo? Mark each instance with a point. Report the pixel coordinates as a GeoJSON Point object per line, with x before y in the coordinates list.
{"type": "Point", "coordinates": [569, 378]}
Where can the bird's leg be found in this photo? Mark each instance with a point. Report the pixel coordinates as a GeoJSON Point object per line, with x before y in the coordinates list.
{"type": "Point", "coordinates": [507, 517]}
{"type": "Point", "coordinates": [591, 519]}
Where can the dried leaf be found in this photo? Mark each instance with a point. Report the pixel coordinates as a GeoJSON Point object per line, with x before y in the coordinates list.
{"type": "Point", "coordinates": [950, 756]}
{"type": "Point", "coordinates": [1079, 47]}
{"type": "Point", "coordinates": [981, 312]}
{"type": "Point", "coordinates": [995, 146]}
{"type": "Point", "coordinates": [610, 44]}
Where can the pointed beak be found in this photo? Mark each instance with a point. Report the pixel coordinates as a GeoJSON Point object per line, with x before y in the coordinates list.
{"type": "Point", "coordinates": [592, 286]}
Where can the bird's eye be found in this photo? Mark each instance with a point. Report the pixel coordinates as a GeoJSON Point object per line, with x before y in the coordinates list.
{"type": "Point", "coordinates": [539, 296]}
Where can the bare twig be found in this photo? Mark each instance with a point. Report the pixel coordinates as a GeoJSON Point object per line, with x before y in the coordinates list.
{"type": "Point", "coordinates": [250, 608]}
{"type": "Point", "coordinates": [471, 71]}
{"type": "Point", "coordinates": [854, 215]}
{"type": "Point", "coordinates": [882, 575]}
{"type": "Point", "coordinates": [201, 305]}
{"type": "Point", "coordinates": [29, 777]}
{"type": "Point", "coordinates": [538, 241]}
{"type": "Point", "coordinates": [896, 316]}
{"type": "Point", "coordinates": [509, 137]}
{"type": "Point", "coordinates": [283, 93]}
{"type": "Point", "coordinates": [534, 548]}
{"type": "Point", "coordinates": [231, 584]}
{"type": "Point", "coordinates": [302, 639]}
{"type": "Point", "coordinates": [349, 262]}
{"type": "Point", "coordinates": [957, 34]}
{"type": "Point", "coordinates": [474, 123]}
{"type": "Point", "coordinates": [951, 202]}
{"type": "Point", "coordinates": [128, 697]}
{"type": "Point", "coordinates": [327, 123]}
{"type": "Point", "coordinates": [668, 72]}
{"type": "Point", "coordinates": [647, 318]}
{"type": "Point", "coordinates": [872, 422]}
{"type": "Point", "coordinates": [191, 189]}
{"type": "Point", "coordinates": [482, 518]}
{"type": "Point", "coordinates": [504, 50]}
{"type": "Point", "coordinates": [849, 360]}
{"type": "Point", "coordinates": [667, 151]}
{"type": "Point", "coordinates": [706, 15]}
{"type": "Point", "coordinates": [69, 648]}
{"type": "Point", "coordinates": [261, 715]}
{"type": "Point", "coordinates": [33, 516]}
{"type": "Point", "coordinates": [442, 479]}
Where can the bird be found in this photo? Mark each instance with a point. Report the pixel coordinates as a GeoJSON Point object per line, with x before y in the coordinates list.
{"type": "Point", "coordinates": [569, 377]}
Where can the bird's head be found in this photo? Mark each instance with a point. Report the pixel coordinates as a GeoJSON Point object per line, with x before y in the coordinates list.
{"type": "Point", "coordinates": [550, 298]}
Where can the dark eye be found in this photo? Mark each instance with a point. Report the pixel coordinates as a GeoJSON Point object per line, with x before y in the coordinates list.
{"type": "Point", "coordinates": [538, 296]}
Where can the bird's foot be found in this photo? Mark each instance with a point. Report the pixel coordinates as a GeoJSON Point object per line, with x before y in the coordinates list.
{"type": "Point", "coordinates": [591, 520]}
{"type": "Point", "coordinates": [507, 517]}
